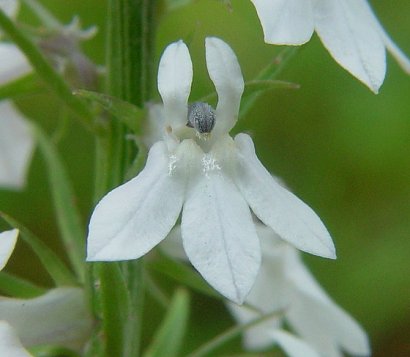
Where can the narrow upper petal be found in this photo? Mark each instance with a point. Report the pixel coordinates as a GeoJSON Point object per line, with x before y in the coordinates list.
{"type": "Point", "coordinates": [8, 240]}
{"type": "Point", "coordinates": [14, 63]}
{"type": "Point", "coordinates": [16, 146]}
{"type": "Point", "coordinates": [225, 72]}
{"type": "Point", "coordinates": [174, 83]}
{"type": "Point", "coordinates": [278, 208]}
{"type": "Point", "coordinates": [218, 233]}
{"type": "Point", "coordinates": [285, 22]}
{"type": "Point", "coordinates": [133, 218]}
{"type": "Point", "coordinates": [292, 345]}
{"type": "Point", "coordinates": [59, 317]}
{"type": "Point", "coordinates": [10, 344]}
{"type": "Point", "coordinates": [347, 29]}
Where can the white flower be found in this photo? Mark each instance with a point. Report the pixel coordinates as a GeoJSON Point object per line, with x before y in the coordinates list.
{"type": "Point", "coordinates": [212, 178]}
{"type": "Point", "coordinates": [16, 146]}
{"type": "Point", "coordinates": [8, 240]}
{"type": "Point", "coordinates": [285, 283]}
{"type": "Point", "coordinates": [13, 64]}
{"type": "Point", "coordinates": [10, 344]}
{"type": "Point", "coordinates": [58, 317]}
{"type": "Point", "coordinates": [348, 29]}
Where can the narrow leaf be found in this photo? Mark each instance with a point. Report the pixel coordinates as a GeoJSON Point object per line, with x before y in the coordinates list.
{"type": "Point", "coordinates": [264, 85]}
{"type": "Point", "coordinates": [51, 262]}
{"type": "Point", "coordinates": [46, 71]}
{"type": "Point", "coordinates": [68, 216]}
{"type": "Point", "coordinates": [127, 113]}
{"type": "Point", "coordinates": [270, 72]}
{"type": "Point", "coordinates": [17, 287]}
{"type": "Point", "coordinates": [24, 85]}
{"type": "Point", "coordinates": [168, 339]}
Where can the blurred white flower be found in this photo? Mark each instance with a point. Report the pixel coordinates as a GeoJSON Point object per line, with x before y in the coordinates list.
{"type": "Point", "coordinates": [59, 317]}
{"type": "Point", "coordinates": [347, 28]}
{"type": "Point", "coordinates": [199, 169]}
{"type": "Point", "coordinates": [16, 146]}
{"type": "Point", "coordinates": [13, 64]}
{"type": "Point", "coordinates": [10, 344]}
{"type": "Point", "coordinates": [8, 240]}
{"type": "Point", "coordinates": [284, 283]}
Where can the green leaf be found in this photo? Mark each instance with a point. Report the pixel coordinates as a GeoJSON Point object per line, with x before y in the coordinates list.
{"type": "Point", "coordinates": [264, 85]}
{"type": "Point", "coordinates": [24, 85]}
{"type": "Point", "coordinates": [52, 351]}
{"type": "Point", "coordinates": [50, 261]}
{"type": "Point", "coordinates": [68, 216]}
{"type": "Point", "coordinates": [169, 337]}
{"type": "Point", "coordinates": [127, 113]}
{"type": "Point", "coordinates": [47, 72]}
{"type": "Point", "coordinates": [17, 287]}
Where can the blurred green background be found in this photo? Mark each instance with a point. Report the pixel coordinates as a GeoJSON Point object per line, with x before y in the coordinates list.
{"type": "Point", "coordinates": [342, 149]}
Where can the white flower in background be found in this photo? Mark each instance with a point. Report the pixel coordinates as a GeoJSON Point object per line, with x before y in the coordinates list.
{"type": "Point", "coordinates": [16, 146]}
{"type": "Point", "coordinates": [284, 283]}
{"type": "Point", "coordinates": [199, 169]}
{"type": "Point", "coordinates": [13, 64]}
{"type": "Point", "coordinates": [59, 317]}
{"type": "Point", "coordinates": [10, 344]}
{"type": "Point", "coordinates": [347, 28]}
{"type": "Point", "coordinates": [8, 240]}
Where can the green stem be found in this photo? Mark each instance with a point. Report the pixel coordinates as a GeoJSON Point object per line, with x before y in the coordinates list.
{"type": "Point", "coordinates": [131, 29]}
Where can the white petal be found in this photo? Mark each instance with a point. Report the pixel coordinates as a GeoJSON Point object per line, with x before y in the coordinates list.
{"type": "Point", "coordinates": [317, 318]}
{"type": "Point", "coordinates": [225, 72]}
{"type": "Point", "coordinates": [347, 29]}
{"type": "Point", "coordinates": [10, 344]}
{"type": "Point", "coordinates": [10, 7]}
{"type": "Point", "coordinates": [278, 208]}
{"type": "Point", "coordinates": [133, 218]}
{"type": "Point", "coordinates": [16, 146]}
{"type": "Point", "coordinates": [219, 236]}
{"type": "Point", "coordinates": [174, 83]}
{"type": "Point", "coordinates": [59, 317]}
{"type": "Point", "coordinates": [8, 240]}
{"type": "Point", "coordinates": [292, 345]}
{"type": "Point", "coordinates": [285, 22]}
{"type": "Point", "coordinates": [395, 51]}
{"type": "Point", "coordinates": [13, 63]}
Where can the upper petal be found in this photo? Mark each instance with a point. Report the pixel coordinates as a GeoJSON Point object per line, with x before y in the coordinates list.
{"type": "Point", "coordinates": [285, 22]}
{"type": "Point", "coordinates": [8, 240]}
{"type": "Point", "coordinates": [218, 234]}
{"type": "Point", "coordinates": [347, 29]}
{"type": "Point", "coordinates": [133, 218]}
{"type": "Point", "coordinates": [174, 83]}
{"type": "Point", "coordinates": [278, 208]}
{"type": "Point", "coordinates": [16, 146]}
{"type": "Point", "coordinates": [225, 73]}
{"type": "Point", "coordinates": [10, 344]}
{"type": "Point", "coordinates": [14, 63]}
{"type": "Point", "coordinates": [59, 317]}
